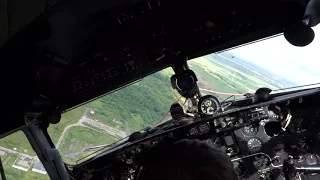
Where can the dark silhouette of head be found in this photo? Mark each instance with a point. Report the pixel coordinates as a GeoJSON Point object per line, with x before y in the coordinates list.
{"type": "Point", "coordinates": [187, 160]}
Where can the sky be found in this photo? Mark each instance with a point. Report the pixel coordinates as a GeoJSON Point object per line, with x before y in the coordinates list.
{"type": "Point", "coordinates": [298, 64]}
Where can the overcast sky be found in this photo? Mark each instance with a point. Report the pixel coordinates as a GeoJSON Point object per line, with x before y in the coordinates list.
{"type": "Point", "coordinates": [298, 64]}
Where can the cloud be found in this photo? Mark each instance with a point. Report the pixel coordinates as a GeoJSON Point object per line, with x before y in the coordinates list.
{"type": "Point", "coordinates": [298, 64]}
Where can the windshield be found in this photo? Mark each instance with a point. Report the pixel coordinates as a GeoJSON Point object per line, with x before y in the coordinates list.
{"type": "Point", "coordinates": [272, 63]}
{"type": "Point", "coordinates": [113, 117]}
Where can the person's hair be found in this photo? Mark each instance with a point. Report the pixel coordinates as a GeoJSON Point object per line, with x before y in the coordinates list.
{"type": "Point", "coordinates": [187, 160]}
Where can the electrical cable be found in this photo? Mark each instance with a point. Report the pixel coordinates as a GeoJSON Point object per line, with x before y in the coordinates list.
{"type": "Point", "coordinates": [223, 106]}
{"type": "Point", "coordinates": [228, 98]}
{"type": "Point", "coordinates": [72, 177]}
{"type": "Point", "coordinates": [185, 101]}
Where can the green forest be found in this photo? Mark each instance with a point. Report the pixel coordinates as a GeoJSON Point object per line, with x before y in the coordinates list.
{"type": "Point", "coordinates": [136, 106]}
{"type": "Point", "coordinates": [139, 105]}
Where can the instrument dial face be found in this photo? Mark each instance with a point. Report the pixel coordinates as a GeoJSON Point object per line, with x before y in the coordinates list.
{"type": "Point", "coordinates": [311, 159]}
{"type": "Point", "coordinates": [261, 161]}
{"type": "Point", "coordinates": [267, 176]}
{"type": "Point", "coordinates": [249, 130]}
{"type": "Point", "coordinates": [254, 145]}
{"type": "Point", "coordinates": [300, 125]}
{"type": "Point", "coordinates": [208, 105]}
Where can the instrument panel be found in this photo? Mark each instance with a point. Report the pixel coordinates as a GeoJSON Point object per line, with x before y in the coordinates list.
{"type": "Point", "coordinates": [247, 135]}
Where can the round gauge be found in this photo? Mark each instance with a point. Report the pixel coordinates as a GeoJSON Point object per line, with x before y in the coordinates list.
{"type": "Point", "coordinates": [249, 130]}
{"type": "Point", "coordinates": [300, 124]}
{"type": "Point", "coordinates": [267, 176]}
{"type": "Point", "coordinates": [208, 105]}
{"type": "Point", "coordinates": [311, 159]}
{"type": "Point", "coordinates": [261, 161]}
{"type": "Point", "coordinates": [254, 145]}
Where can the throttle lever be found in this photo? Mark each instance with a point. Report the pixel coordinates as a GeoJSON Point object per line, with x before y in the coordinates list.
{"type": "Point", "coordinates": [289, 169]}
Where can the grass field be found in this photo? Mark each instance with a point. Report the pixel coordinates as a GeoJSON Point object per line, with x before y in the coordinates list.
{"type": "Point", "coordinates": [16, 174]}
{"type": "Point", "coordinates": [225, 77]}
{"type": "Point", "coordinates": [78, 138]}
{"type": "Point", "coordinates": [92, 127]}
{"type": "Point", "coordinates": [70, 117]}
{"type": "Point", "coordinates": [19, 141]}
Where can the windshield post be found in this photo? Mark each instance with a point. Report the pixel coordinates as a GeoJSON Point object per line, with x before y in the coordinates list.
{"type": "Point", "coordinates": [48, 154]}
{"type": "Point", "coordinates": [3, 176]}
